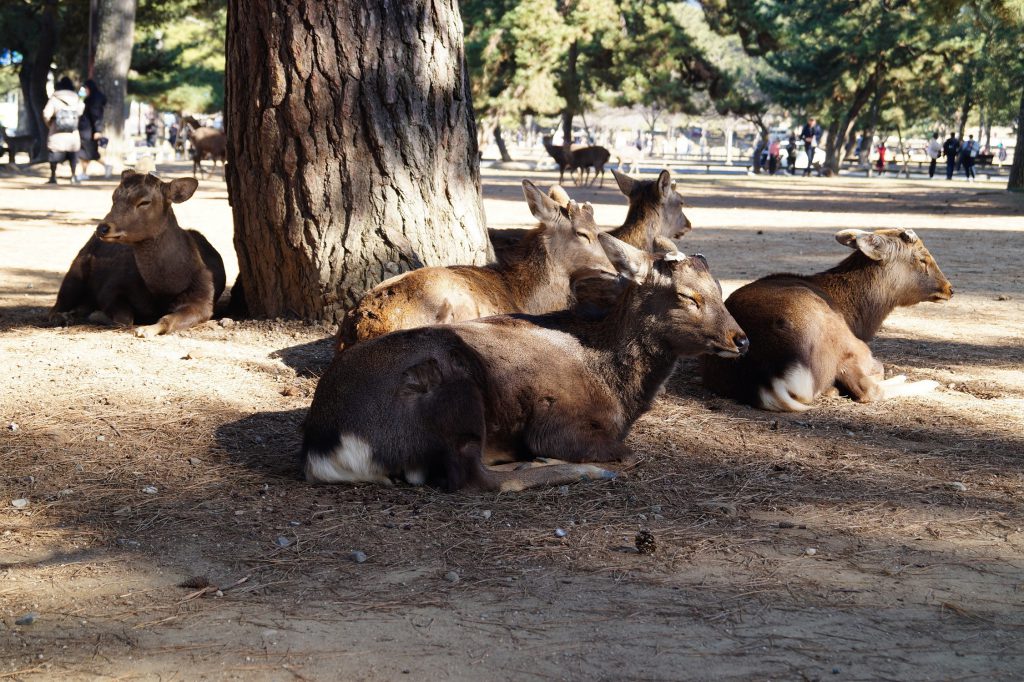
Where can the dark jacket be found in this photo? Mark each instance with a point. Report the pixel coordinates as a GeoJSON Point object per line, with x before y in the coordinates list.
{"type": "Point", "coordinates": [92, 118]}
{"type": "Point", "coordinates": [950, 148]}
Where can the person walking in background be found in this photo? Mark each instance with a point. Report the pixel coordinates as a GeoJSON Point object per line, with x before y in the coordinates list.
{"type": "Point", "coordinates": [934, 152]}
{"type": "Point", "coordinates": [151, 133]}
{"type": "Point", "coordinates": [1001, 154]}
{"type": "Point", "coordinates": [773, 156]}
{"type": "Point", "coordinates": [967, 155]}
{"type": "Point", "coordinates": [950, 149]}
{"type": "Point", "coordinates": [791, 155]}
{"type": "Point", "coordinates": [880, 164]}
{"type": "Point", "coordinates": [90, 125]}
{"type": "Point", "coordinates": [811, 135]}
{"type": "Point", "coordinates": [61, 114]}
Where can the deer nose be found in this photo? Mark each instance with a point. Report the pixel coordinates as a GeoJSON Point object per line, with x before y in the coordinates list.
{"type": "Point", "coordinates": [102, 229]}
{"type": "Point", "coordinates": [742, 342]}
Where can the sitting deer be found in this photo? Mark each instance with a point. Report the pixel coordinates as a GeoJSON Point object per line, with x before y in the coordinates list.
{"type": "Point", "coordinates": [655, 213]}
{"type": "Point", "coordinates": [439, 404]}
{"type": "Point", "coordinates": [534, 278]}
{"type": "Point", "coordinates": [809, 334]}
{"type": "Point", "coordinates": [140, 266]}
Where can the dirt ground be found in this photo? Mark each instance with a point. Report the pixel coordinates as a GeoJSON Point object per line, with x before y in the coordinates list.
{"type": "Point", "coordinates": [851, 542]}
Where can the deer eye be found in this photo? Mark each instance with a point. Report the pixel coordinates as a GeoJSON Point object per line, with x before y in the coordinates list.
{"type": "Point", "coordinates": [583, 235]}
{"type": "Point", "coordinates": [143, 203]}
{"type": "Point", "coordinates": [688, 300]}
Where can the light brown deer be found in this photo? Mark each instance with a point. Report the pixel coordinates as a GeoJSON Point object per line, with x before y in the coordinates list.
{"type": "Point", "coordinates": [809, 334]}
{"type": "Point", "coordinates": [532, 279]}
{"type": "Point", "coordinates": [439, 404]}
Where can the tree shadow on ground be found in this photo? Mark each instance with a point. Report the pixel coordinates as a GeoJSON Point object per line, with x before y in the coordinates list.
{"type": "Point", "coordinates": [308, 359]}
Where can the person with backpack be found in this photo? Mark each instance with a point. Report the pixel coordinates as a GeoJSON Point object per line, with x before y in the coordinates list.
{"type": "Point", "coordinates": [950, 149]}
{"type": "Point", "coordinates": [934, 150]}
{"type": "Point", "coordinates": [61, 113]}
{"type": "Point", "coordinates": [967, 157]}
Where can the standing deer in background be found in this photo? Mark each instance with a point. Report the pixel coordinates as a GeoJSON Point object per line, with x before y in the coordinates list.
{"type": "Point", "coordinates": [438, 404]}
{"type": "Point", "coordinates": [533, 278]}
{"type": "Point", "coordinates": [808, 334]}
{"type": "Point", "coordinates": [205, 143]}
{"type": "Point", "coordinates": [140, 265]}
{"type": "Point", "coordinates": [582, 159]}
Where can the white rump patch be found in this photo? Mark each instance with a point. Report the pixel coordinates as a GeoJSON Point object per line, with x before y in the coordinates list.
{"type": "Point", "coordinates": [898, 387]}
{"type": "Point", "coordinates": [350, 462]}
{"type": "Point", "coordinates": [792, 392]}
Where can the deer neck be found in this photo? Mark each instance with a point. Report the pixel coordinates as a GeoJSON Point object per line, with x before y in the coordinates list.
{"type": "Point", "coordinates": [640, 227]}
{"type": "Point", "coordinates": [860, 291]}
{"type": "Point", "coordinates": [535, 283]}
{"type": "Point", "coordinates": [636, 364]}
{"type": "Point", "coordinates": [165, 260]}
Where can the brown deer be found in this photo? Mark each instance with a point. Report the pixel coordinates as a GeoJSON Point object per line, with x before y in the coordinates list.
{"type": "Point", "coordinates": [809, 334]}
{"type": "Point", "coordinates": [440, 404]}
{"type": "Point", "coordinates": [206, 143]}
{"type": "Point", "coordinates": [140, 265]}
{"type": "Point", "coordinates": [534, 278]}
{"type": "Point", "coordinates": [581, 158]}
{"type": "Point", "coordinates": [655, 210]}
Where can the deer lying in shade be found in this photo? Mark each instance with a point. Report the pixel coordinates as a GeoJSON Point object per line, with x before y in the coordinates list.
{"type": "Point", "coordinates": [532, 279]}
{"type": "Point", "coordinates": [439, 404]}
{"type": "Point", "coordinates": [809, 334]}
{"type": "Point", "coordinates": [140, 266]}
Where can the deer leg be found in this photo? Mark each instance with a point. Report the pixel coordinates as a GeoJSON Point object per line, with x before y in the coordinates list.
{"type": "Point", "coordinates": [195, 306]}
{"type": "Point", "coordinates": [554, 474]}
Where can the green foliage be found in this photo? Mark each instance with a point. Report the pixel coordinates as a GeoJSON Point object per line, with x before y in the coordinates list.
{"type": "Point", "coordinates": [659, 63]}
{"type": "Point", "coordinates": [179, 65]}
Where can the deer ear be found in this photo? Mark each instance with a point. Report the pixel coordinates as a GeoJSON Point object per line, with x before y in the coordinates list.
{"type": "Point", "coordinates": [559, 195]}
{"type": "Point", "coordinates": [626, 183]}
{"type": "Point", "coordinates": [541, 205]}
{"type": "Point", "coordinates": [868, 243]}
{"type": "Point", "coordinates": [664, 183]}
{"type": "Point", "coordinates": [177, 191]}
{"type": "Point", "coordinates": [630, 262]}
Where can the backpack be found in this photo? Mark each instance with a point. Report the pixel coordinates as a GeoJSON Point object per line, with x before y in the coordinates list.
{"type": "Point", "coordinates": [65, 120]}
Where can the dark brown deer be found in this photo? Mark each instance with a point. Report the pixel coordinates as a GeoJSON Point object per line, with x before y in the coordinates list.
{"type": "Point", "coordinates": [206, 143]}
{"type": "Point", "coordinates": [439, 404]}
{"type": "Point", "coordinates": [582, 158]}
{"type": "Point", "coordinates": [810, 334]}
{"type": "Point", "coordinates": [534, 278]}
{"type": "Point", "coordinates": [140, 266]}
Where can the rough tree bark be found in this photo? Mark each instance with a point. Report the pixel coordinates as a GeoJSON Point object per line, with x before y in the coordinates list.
{"type": "Point", "coordinates": [352, 151]}
{"type": "Point", "coordinates": [571, 94]}
{"type": "Point", "coordinates": [32, 79]}
{"type": "Point", "coordinates": [1016, 181]}
{"type": "Point", "coordinates": [113, 58]}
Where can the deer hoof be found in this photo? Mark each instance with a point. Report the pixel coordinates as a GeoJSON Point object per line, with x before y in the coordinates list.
{"type": "Point", "coordinates": [589, 472]}
{"type": "Point", "coordinates": [147, 332]}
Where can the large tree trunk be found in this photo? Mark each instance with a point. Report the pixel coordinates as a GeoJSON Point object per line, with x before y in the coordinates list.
{"type": "Point", "coordinates": [499, 140]}
{"type": "Point", "coordinates": [32, 79]}
{"type": "Point", "coordinates": [571, 94]}
{"type": "Point", "coordinates": [113, 58]}
{"type": "Point", "coordinates": [1016, 182]}
{"type": "Point", "coordinates": [352, 151]}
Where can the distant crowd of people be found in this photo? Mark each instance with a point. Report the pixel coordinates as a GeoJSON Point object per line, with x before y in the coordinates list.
{"type": "Point", "coordinates": [800, 153]}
